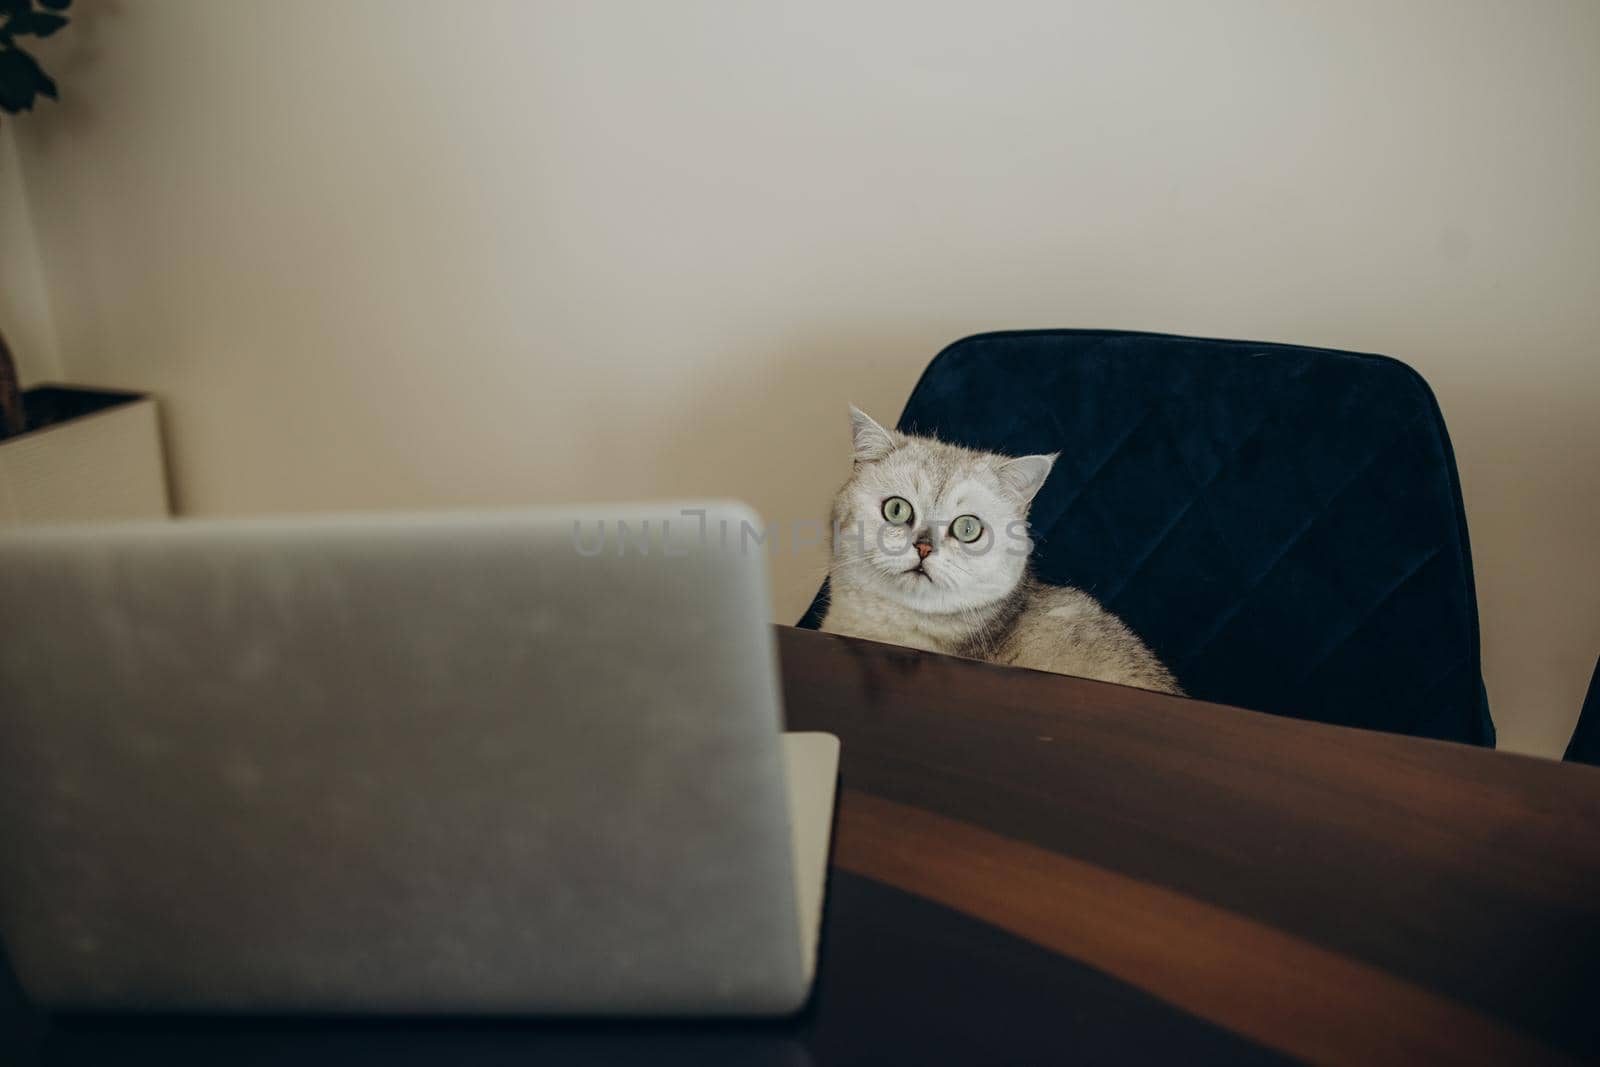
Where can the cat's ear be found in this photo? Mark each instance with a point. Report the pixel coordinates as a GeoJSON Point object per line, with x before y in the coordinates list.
{"type": "Point", "coordinates": [871, 441]}
{"type": "Point", "coordinates": [1025, 475]}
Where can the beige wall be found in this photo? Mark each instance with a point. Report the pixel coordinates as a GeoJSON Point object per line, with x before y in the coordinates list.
{"type": "Point", "coordinates": [396, 254]}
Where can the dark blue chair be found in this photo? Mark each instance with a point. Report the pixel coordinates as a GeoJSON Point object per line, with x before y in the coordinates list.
{"type": "Point", "coordinates": [1585, 744]}
{"type": "Point", "coordinates": [1283, 525]}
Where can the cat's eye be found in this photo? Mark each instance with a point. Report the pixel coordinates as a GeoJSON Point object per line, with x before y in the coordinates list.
{"type": "Point", "coordinates": [897, 509]}
{"type": "Point", "coordinates": [967, 529]}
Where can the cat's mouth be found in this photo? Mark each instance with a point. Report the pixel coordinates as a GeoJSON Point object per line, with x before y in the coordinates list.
{"type": "Point", "coordinates": [919, 569]}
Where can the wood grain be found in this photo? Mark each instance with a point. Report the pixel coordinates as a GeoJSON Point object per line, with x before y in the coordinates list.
{"type": "Point", "coordinates": [1271, 987]}
{"type": "Point", "coordinates": [1469, 874]}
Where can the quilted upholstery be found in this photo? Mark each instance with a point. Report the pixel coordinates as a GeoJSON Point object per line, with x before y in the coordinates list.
{"type": "Point", "coordinates": [1283, 525]}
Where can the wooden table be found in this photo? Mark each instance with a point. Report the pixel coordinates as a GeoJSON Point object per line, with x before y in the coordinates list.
{"type": "Point", "coordinates": [1336, 895]}
{"type": "Point", "coordinates": [1036, 869]}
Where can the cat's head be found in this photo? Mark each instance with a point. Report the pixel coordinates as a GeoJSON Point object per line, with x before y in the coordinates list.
{"type": "Point", "coordinates": [933, 526]}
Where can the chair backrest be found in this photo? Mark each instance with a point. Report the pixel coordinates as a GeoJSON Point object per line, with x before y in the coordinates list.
{"type": "Point", "coordinates": [1585, 744]}
{"type": "Point", "coordinates": [1283, 525]}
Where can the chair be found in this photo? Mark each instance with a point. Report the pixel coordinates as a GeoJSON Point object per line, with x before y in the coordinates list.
{"type": "Point", "coordinates": [1283, 525]}
{"type": "Point", "coordinates": [1585, 744]}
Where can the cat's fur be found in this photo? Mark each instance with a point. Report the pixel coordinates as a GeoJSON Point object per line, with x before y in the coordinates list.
{"type": "Point", "coordinates": [978, 600]}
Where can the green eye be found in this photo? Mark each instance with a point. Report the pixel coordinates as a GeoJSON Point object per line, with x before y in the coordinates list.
{"type": "Point", "coordinates": [897, 509]}
{"type": "Point", "coordinates": [967, 529]}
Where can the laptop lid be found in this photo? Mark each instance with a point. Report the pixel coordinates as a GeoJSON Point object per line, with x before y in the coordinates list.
{"type": "Point", "coordinates": [512, 762]}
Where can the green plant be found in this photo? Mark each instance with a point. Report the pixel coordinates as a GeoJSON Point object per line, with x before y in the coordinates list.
{"type": "Point", "coordinates": [21, 78]}
{"type": "Point", "coordinates": [13, 419]}
{"type": "Point", "coordinates": [22, 81]}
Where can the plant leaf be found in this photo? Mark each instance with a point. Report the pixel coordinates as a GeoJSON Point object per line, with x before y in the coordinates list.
{"type": "Point", "coordinates": [55, 5]}
{"type": "Point", "coordinates": [37, 23]}
{"type": "Point", "coordinates": [21, 79]}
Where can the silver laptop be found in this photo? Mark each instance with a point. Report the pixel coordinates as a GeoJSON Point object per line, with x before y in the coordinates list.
{"type": "Point", "coordinates": [480, 763]}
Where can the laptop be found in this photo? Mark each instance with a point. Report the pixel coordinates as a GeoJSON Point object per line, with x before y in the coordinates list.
{"type": "Point", "coordinates": [512, 763]}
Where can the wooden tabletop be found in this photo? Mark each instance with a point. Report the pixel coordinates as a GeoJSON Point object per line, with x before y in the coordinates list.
{"type": "Point", "coordinates": [1031, 868]}
{"type": "Point", "coordinates": [1336, 895]}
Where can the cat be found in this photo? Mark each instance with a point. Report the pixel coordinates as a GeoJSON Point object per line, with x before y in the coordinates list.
{"type": "Point", "coordinates": [930, 550]}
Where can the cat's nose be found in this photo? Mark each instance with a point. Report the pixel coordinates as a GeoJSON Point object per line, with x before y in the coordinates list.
{"type": "Point", "coordinates": [924, 549]}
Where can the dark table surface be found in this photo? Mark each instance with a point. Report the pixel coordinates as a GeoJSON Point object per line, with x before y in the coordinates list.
{"type": "Point", "coordinates": [1031, 868]}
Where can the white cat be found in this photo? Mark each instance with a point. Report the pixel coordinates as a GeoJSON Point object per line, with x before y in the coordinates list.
{"type": "Point", "coordinates": [930, 550]}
